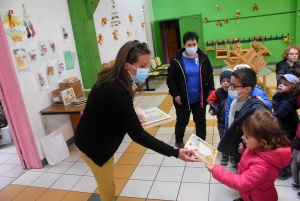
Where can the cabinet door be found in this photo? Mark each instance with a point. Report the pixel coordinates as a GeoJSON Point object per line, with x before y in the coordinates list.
{"type": "Point", "coordinates": [192, 23]}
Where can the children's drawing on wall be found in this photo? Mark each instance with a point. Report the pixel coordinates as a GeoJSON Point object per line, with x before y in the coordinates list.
{"type": "Point", "coordinates": [52, 44]}
{"type": "Point", "coordinates": [44, 54]}
{"type": "Point", "coordinates": [50, 70]}
{"type": "Point", "coordinates": [42, 79]}
{"type": "Point", "coordinates": [16, 36]}
{"type": "Point", "coordinates": [61, 69]}
{"type": "Point", "coordinates": [66, 33]}
{"type": "Point", "coordinates": [11, 19]}
{"type": "Point", "coordinates": [25, 14]}
{"type": "Point", "coordinates": [32, 56]}
{"type": "Point", "coordinates": [21, 60]}
{"type": "Point", "coordinates": [69, 59]}
{"type": "Point", "coordinates": [30, 31]}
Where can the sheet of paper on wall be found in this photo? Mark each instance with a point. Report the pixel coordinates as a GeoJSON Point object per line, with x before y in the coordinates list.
{"type": "Point", "coordinates": [42, 79]}
{"type": "Point", "coordinates": [52, 44]}
{"type": "Point", "coordinates": [21, 60]}
{"type": "Point", "coordinates": [30, 30]}
{"type": "Point", "coordinates": [61, 69]}
{"type": "Point", "coordinates": [65, 33]}
{"type": "Point", "coordinates": [51, 71]}
{"type": "Point", "coordinates": [43, 49]}
{"type": "Point", "coordinates": [69, 59]}
{"type": "Point", "coordinates": [32, 56]}
{"type": "Point", "coordinates": [204, 151]}
{"type": "Point", "coordinates": [16, 36]}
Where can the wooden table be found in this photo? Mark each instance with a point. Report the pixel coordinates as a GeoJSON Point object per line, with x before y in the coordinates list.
{"type": "Point", "coordinates": [74, 112]}
{"type": "Point", "coordinates": [264, 72]}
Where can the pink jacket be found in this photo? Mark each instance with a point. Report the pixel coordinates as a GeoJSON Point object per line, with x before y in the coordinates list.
{"type": "Point", "coordinates": [256, 174]}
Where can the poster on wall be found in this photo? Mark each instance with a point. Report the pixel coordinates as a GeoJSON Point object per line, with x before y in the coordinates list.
{"type": "Point", "coordinates": [52, 44]}
{"type": "Point", "coordinates": [16, 36]}
{"type": "Point", "coordinates": [69, 59]}
{"type": "Point", "coordinates": [30, 31]}
{"type": "Point", "coordinates": [65, 33]}
{"type": "Point", "coordinates": [42, 79]}
{"type": "Point", "coordinates": [43, 49]}
{"type": "Point", "coordinates": [61, 69]}
{"type": "Point", "coordinates": [21, 59]}
{"type": "Point", "coordinates": [32, 56]}
{"type": "Point", "coordinates": [51, 72]}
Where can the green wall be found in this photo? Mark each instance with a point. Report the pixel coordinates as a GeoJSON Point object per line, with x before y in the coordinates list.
{"type": "Point", "coordinates": [270, 19]}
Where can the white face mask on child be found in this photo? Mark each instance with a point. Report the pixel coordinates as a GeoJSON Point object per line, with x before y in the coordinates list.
{"type": "Point", "coordinates": [234, 94]}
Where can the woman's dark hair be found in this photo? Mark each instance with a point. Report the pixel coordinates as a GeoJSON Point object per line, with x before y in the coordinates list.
{"type": "Point", "coordinates": [128, 53]}
{"type": "Point", "coordinates": [262, 125]}
{"type": "Point", "coordinates": [190, 35]}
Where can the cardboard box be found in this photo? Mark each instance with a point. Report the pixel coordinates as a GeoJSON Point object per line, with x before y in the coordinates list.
{"type": "Point", "coordinates": [75, 85]}
{"type": "Point", "coordinates": [57, 98]}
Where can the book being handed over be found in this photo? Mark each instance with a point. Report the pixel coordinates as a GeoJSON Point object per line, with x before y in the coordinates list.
{"type": "Point", "coordinates": [204, 151]}
{"type": "Point", "coordinates": [152, 117]}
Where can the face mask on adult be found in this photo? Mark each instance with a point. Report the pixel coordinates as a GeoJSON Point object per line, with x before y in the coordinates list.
{"type": "Point", "coordinates": [234, 94]}
{"type": "Point", "coordinates": [191, 50]}
{"type": "Point", "coordinates": [141, 74]}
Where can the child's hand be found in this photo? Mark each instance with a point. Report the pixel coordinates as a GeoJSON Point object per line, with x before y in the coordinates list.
{"type": "Point", "coordinates": [241, 148]}
{"type": "Point", "coordinates": [209, 167]}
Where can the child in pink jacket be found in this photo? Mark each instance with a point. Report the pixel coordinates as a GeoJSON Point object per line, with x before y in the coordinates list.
{"type": "Point", "coordinates": [267, 150]}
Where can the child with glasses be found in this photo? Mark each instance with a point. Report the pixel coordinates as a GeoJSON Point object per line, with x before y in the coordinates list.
{"type": "Point", "coordinates": [242, 82]}
{"type": "Point", "coordinates": [285, 106]}
{"type": "Point", "coordinates": [289, 65]}
{"type": "Point", "coordinates": [267, 150]}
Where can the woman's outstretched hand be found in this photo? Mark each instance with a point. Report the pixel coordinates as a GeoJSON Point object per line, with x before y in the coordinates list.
{"type": "Point", "coordinates": [186, 155]}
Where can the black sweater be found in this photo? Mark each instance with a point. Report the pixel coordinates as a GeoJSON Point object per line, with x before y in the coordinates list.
{"type": "Point", "coordinates": [108, 115]}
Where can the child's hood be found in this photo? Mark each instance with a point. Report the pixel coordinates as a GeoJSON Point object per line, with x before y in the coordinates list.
{"type": "Point", "coordinates": [280, 157]}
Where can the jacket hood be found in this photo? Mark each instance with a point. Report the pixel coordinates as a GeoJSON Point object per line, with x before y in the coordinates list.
{"type": "Point", "coordinates": [280, 157]}
{"type": "Point", "coordinates": [201, 54]}
{"type": "Point", "coordinates": [283, 96]}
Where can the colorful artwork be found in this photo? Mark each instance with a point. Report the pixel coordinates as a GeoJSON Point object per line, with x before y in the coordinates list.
{"type": "Point", "coordinates": [202, 149]}
{"type": "Point", "coordinates": [226, 21]}
{"type": "Point", "coordinates": [42, 79]}
{"type": "Point", "coordinates": [206, 20]}
{"type": "Point", "coordinates": [66, 34]}
{"type": "Point", "coordinates": [11, 19]}
{"type": "Point", "coordinates": [68, 96]}
{"type": "Point", "coordinates": [128, 33]}
{"type": "Point", "coordinates": [50, 71]}
{"type": "Point", "coordinates": [61, 69]}
{"type": "Point", "coordinates": [30, 25]}
{"type": "Point", "coordinates": [153, 115]}
{"type": "Point", "coordinates": [43, 49]}
{"type": "Point", "coordinates": [130, 18]}
{"type": "Point", "coordinates": [255, 7]}
{"type": "Point", "coordinates": [32, 55]}
{"type": "Point", "coordinates": [16, 36]}
{"type": "Point", "coordinates": [104, 21]}
{"type": "Point", "coordinates": [52, 46]}
{"type": "Point", "coordinates": [115, 34]}
{"type": "Point", "coordinates": [100, 39]}
{"type": "Point", "coordinates": [219, 23]}
{"type": "Point", "coordinates": [25, 15]}
{"type": "Point", "coordinates": [21, 58]}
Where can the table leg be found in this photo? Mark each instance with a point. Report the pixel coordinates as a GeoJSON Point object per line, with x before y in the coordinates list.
{"type": "Point", "coordinates": [264, 83]}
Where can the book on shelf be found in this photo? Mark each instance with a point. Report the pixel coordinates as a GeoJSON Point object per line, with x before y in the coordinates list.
{"type": "Point", "coordinates": [204, 151]}
{"type": "Point", "coordinates": [152, 117]}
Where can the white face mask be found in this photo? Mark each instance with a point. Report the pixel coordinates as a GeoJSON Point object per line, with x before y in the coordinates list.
{"type": "Point", "coordinates": [191, 50]}
{"type": "Point", "coordinates": [141, 74]}
{"type": "Point", "coordinates": [234, 94]}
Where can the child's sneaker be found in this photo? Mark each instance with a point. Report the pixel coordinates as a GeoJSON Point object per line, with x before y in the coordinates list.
{"type": "Point", "coordinates": [295, 187]}
{"type": "Point", "coordinates": [233, 162]}
{"type": "Point", "coordinates": [298, 195]}
{"type": "Point", "coordinates": [224, 160]}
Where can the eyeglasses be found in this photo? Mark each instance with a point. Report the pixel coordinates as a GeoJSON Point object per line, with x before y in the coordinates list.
{"type": "Point", "coordinates": [234, 87]}
{"type": "Point", "coordinates": [292, 54]}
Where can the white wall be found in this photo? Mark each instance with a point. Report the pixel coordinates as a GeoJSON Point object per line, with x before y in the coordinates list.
{"type": "Point", "coordinates": [47, 16]}
{"type": "Point", "coordinates": [108, 50]}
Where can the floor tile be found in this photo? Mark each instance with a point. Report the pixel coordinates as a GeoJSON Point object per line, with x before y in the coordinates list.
{"type": "Point", "coordinates": [43, 169]}
{"type": "Point", "coordinates": [52, 195]}
{"type": "Point", "coordinates": [151, 159]}
{"type": "Point", "coordinates": [27, 178]}
{"type": "Point", "coordinates": [288, 182]}
{"type": "Point", "coordinates": [46, 180]}
{"type": "Point", "coordinates": [123, 171]}
{"type": "Point", "coordinates": [286, 193]}
{"type": "Point", "coordinates": [129, 199]}
{"type": "Point", "coordinates": [228, 193]}
{"type": "Point", "coordinates": [135, 148]}
{"type": "Point", "coordinates": [196, 175]}
{"type": "Point", "coordinates": [89, 173]}
{"type": "Point", "coordinates": [30, 194]}
{"type": "Point", "coordinates": [166, 130]}
{"type": "Point", "coordinates": [15, 172]}
{"type": "Point", "coordinates": [10, 192]}
{"type": "Point", "coordinates": [123, 146]}
{"type": "Point", "coordinates": [13, 150]}
{"type": "Point", "coordinates": [145, 172]}
{"type": "Point", "coordinates": [193, 191]}
{"type": "Point", "coordinates": [5, 167]}
{"type": "Point", "coordinates": [6, 148]}
{"type": "Point", "coordinates": [5, 157]}
{"type": "Point", "coordinates": [62, 167]}
{"type": "Point", "coordinates": [5, 181]}
{"type": "Point", "coordinates": [78, 169]}
{"type": "Point", "coordinates": [164, 190]}
{"type": "Point", "coordinates": [71, 146]}
{"type": "Point", "coordinates": [165, 138]}
{"type": "Point", "coordinates": [214, 181]}
{"type": "Point", "coordinates": [14, 160]}
{"type": "Point", "coordinates": [76, 196]}
{"type": "Point", "coordinates": [66, 182]}
{"type": "Point", "coordinates": [129, 159]}
{"type": "Point", "coordinates": [127, 139]}
{"type": "Point", "coordinates": [86, 185]}
{"type": "Point", "coordinates": [195, 164]}
{"type": "Point", "coordinates": [172, 161]}
{"type": "Point", "coordinates": [136, 188]}
{"type": "Point", "coordinates": [74, 156]}
{"type": "Point", "coordinates": [170, 174]}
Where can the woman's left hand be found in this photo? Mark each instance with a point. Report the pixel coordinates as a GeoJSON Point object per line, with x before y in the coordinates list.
{"type": "Point", "coordinates": [186, 155]}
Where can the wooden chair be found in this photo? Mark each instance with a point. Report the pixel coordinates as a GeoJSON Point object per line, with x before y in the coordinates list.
{"type": "Point", "coordinates": [234, 45]}
{"type": "Point", "coordinates": [259, 47]}
{"type": "Point", "coordinates": [210, 46]}
{"type": "Point", "coordinates": [258, 39]}
{"type": "Point", "coordinates": [160, 65]}
{"type": "Point", "coordinates": [221, 49]}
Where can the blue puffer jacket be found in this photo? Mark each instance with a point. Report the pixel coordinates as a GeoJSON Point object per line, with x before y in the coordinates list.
{"type": "Point", "coordinates": [231, 139]}
{"type": "Point", "coordinates": [285, 107]}
{"type": "Point", "coordinates": [257, 91]}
